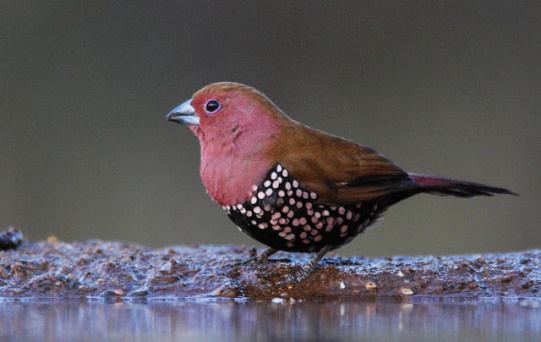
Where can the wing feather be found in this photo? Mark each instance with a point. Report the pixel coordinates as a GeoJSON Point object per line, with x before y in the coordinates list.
{"type": "Point", "coordinates": [338, 170]}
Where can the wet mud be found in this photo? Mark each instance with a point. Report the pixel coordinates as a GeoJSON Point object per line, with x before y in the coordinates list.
{"type": "Point", "coordinates": [120, 270]}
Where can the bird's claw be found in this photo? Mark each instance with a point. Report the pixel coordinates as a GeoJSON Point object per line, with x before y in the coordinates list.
{"type": "Point", "coordinates": [298, 276]}
{"type": "Point", "coordinates": [260, 258]}
{"type": "Point", "coordinates": [249, 261]}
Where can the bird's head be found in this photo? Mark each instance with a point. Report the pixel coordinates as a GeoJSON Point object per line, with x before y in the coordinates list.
{"type": "Point", "coordinates": [238, 129]}
{"type": "Point", "coordinates": [229, 113]}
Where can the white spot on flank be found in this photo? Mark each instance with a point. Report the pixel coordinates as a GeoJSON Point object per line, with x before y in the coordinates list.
{"type": "Point", "coordinates": [261, 195]}
{"type": "Point", "coordinates": [279, 168]}
{"type": "Point", "coordinates": [285, 173]}
{"type": "Point", "coordinates": [313, 195]}
{"type": "Point", "coordinates": [254, 188]}
{"type": "Point", "coordinates": [295, 184]}
{"type": "Point", "coordinates": [268, 192]}
{"type": "Point", "coordinates": [276, 216]}
{"type": "Point", "coordinates": [275, 184]}
{"type": "Point", "coordinates": [274, 175]}
{"type": "Point", "coordinates": [288, 186]}
{"type": "Point", "coordinates": [253, 200]}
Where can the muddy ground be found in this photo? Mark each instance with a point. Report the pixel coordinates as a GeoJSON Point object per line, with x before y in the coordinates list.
{"type": "Point", "coordinates": [118, 270]}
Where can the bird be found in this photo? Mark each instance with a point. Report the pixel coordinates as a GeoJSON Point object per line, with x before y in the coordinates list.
{"type": "Point", "coordinates": [292, 187]}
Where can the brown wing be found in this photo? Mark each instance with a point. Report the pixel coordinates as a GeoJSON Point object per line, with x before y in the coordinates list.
{"type": "Point", "coordinates": [338, 170]}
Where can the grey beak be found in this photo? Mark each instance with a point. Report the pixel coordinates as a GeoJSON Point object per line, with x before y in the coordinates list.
{"type": "Point", "coordinates": [184, 114]}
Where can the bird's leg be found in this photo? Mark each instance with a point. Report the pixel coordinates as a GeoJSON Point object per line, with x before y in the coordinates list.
{"type": "Point", "coordinates": [307, 268]}
{"type": "Point", "coordinates": [260, 258]}
{"type": "Point", "coordinates": [263, 257]}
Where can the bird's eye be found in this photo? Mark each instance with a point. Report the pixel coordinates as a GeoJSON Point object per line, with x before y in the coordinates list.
{"type": "Point", "coordinates": [212, 106]}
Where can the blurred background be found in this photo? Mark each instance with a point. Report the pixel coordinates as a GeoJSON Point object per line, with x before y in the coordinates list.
{"type": "Point", "coordinates": [439, 88]}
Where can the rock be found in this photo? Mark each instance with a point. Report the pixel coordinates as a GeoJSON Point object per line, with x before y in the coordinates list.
{"type": "Point", "coordinates": [94, 268]}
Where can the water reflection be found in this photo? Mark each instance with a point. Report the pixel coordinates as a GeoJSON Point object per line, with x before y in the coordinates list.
{"type": "Point", "coordinates": [254, 321]}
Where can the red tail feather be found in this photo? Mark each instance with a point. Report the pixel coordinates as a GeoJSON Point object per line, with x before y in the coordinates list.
{"type": "Point", "coordinates": [455, 187]}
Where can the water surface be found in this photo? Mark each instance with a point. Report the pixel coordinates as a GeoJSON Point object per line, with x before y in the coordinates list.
{"type": "Point", "coordinates": [213, 320]}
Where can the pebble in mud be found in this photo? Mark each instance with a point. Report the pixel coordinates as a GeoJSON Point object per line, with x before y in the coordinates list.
{"type": "Point", "coordinates": [11, 239]}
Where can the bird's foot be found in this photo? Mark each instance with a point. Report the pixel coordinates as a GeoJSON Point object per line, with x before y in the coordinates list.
{"type": "Point", "coordinates": [300, 275]}
{"type": "Point", "coordinates": [306, 269]}
{"type": "Point", "coordinates": [260, 258]}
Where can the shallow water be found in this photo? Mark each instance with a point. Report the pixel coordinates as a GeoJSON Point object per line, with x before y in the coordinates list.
{"type": "Point", "coordinates": [212, 320]}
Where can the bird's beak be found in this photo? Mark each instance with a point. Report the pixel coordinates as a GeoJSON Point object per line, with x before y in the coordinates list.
{"type": "Point", "coordinates": [184, 114]}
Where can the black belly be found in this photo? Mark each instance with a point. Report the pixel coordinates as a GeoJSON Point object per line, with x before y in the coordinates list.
{"type": "Point", "coordinates": [282, 215]}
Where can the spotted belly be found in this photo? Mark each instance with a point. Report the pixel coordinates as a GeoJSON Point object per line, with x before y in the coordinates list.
{"type": "Point", "coordinates": [283, 215]}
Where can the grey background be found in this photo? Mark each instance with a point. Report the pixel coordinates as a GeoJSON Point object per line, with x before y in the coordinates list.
{"type": "Point", "coordinates": [451, 89]}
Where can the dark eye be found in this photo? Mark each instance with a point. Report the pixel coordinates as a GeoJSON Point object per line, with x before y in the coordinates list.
{"type": "Point", "coordinates": [212, 106]}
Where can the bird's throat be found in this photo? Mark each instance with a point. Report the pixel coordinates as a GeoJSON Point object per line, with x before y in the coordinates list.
{"type": "Point", "coordinates": [228, 176]}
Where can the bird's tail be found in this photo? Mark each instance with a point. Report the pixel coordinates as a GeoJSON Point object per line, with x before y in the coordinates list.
{"type": "Point", "coordinates": [455, 187]}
